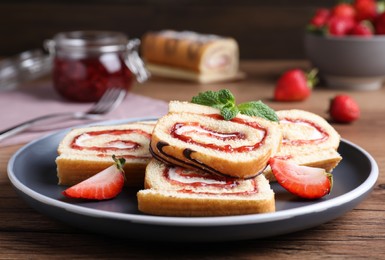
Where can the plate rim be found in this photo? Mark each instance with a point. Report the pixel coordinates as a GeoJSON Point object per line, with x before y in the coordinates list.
{"type": "Point", "coordinates": [359, 191]}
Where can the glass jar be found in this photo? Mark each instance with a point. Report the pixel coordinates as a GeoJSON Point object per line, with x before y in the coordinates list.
{"type": "Point", "coordinates": [86, 63]}
{"type": "Point", "coordinates": [23, 67]}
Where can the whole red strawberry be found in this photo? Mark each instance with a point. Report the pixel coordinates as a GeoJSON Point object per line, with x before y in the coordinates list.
{"type": "Point", "coordinates": [344, 10]}
{"type": "Point", "coordinates": [365, 9]}
{"type": "Point", "coordinates": [320, 17]}
{"type": "Point", "coordinates": [340, 26]}
{"type": "Point", "coordinates": [344, 109]}
{"type": "Point", "coordinates": [380, 24]}
{"type": "Point", "coordinates": [363, 28]}
{"type": "Point", "coordinates": [295, 85]}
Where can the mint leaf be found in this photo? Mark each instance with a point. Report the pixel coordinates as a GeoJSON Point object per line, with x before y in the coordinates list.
{"type": "Point", "coordinates": [224, 100]}
{"type": "Point", "coordinates": [208, 98]}
{"type": "Point", "coordinates": [229, 111]}
{"type": "Point", "coordinates": [258, 108]}
{"type": "Point", "coordinates": [226, 97]}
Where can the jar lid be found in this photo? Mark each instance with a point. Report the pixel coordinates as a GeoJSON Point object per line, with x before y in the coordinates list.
{"type": "Point", "coordinates": [28, 65]}
{"type": "Point", "coordinates": [92, 41]}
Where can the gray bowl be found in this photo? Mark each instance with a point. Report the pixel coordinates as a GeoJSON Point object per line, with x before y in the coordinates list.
{"type": "Point", "coordinates": [348, 62]}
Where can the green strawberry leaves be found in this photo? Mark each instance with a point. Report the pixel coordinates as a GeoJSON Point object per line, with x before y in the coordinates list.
{"type": "Point", "coordinates": [224, 100]}
{"type": "Point", "coordinates": [119, 162]}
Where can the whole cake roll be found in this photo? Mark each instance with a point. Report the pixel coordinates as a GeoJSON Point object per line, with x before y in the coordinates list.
{"type": "Point", "coordinates": [85, 151]}
{"type": "Point", "coordinates": [307, 139]}
{"type": "Point", "coordinates": [177, 191]}
{"type": "Point", "coordinates": [191, 56]}
{"type": "Point", "coordinates": [196, 136]}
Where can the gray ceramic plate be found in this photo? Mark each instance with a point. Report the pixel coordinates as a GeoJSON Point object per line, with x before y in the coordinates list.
{"type": "Point", "coordinates": [32, 172]}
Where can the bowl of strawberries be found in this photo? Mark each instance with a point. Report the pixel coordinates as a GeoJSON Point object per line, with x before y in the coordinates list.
{"type": "Point", "coordinates": [346, 43]}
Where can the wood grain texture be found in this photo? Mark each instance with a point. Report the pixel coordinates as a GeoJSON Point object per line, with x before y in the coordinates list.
{"type": "Point", "coordinates": [358, 234]}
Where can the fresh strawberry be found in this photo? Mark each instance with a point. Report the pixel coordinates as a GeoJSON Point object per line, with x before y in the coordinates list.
{"type": "Point", "coordinates": [344, 10]}
{"type": "Point", "coordinates": [303, 181]}
{"type": "Point", "coordinates": [106, 184]}
{"type": "Point", "coordinates": [363, 28]}
{"type": "Point", "coordinates": [380, 24]}
{"type": "Point", "coordinates": [344, 109]}
{"type": "Point", "coordinates": [320, 17]}
{"type": "Point", "coordinates": [295, 85]}
{"type": "Point", "coordinates": [340, 26]}
{"type": "Point", "coordinates": [365, 9]}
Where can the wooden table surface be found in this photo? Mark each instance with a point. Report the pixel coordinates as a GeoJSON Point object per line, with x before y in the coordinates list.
{"type": "Point", "coordinates": [360, 233]}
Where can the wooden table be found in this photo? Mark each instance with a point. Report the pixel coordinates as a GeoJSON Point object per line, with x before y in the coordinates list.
{"type": "Point", "coordinates": [360, 233]}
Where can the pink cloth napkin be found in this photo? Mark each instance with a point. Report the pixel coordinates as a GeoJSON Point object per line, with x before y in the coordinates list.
{"type": "Point", "coordinates": [19, 105]}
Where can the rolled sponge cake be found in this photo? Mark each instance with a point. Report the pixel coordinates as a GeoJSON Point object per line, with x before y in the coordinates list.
{"type": "Point", "coordinates": [85, 151]}
{"type": "Point", "coordinates": [177, 191]}
{"type": "Point", "coordinates": [308, 139]}
{"type": "Point", "coordinates": [191, 56]}
{"type": "Point", "coordinates": [197, 137]}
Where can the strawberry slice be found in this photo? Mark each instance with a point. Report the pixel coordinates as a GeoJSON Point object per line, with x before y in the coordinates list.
{"type": "Point", "coordinates": [303, 181]}
{"type": "Point", "coordinates": [104, 185]}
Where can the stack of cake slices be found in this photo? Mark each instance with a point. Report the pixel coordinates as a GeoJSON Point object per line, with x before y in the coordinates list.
{"type": "Point", "coordinates": [194, 163]}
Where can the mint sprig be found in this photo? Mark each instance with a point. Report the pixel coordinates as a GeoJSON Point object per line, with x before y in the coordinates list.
{"type": "Point", "coordinates": [258, 108]}
{"type": "Point", "coordinates": [215, 99]}
{"type": "Point", "coordinates": [224, 100]}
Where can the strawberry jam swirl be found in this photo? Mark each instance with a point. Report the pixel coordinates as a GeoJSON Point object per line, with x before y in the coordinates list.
{"type": "Point", "coordinates": [194, 182]}
{"type": "Point", "coordinates": [117, 143]}
{"type": "Point", "coordinates": [318, 134]}
{"type": "Point", "coordinates": [186, 131]}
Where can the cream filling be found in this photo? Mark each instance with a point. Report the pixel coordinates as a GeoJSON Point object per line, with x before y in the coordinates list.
{"type": "Point", "coordinates": [203, 135]}
{"type": "Point", "coordinates": [176, 174]}
{"type": "Point", "coordinates": [217, 62]}
{"type": "Point", "coordinates": [86, 140]}
{"type": "Point", "coordinates": [190, 129]}
{"type": "Point", "coordinates": [312, 133]}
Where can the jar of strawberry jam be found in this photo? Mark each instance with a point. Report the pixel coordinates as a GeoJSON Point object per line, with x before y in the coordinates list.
{"type": "Point", "coordinates": [86, 63]}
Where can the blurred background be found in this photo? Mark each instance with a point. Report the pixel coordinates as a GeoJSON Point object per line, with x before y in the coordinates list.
{"type": "Point", "coordinates": [264, 29]}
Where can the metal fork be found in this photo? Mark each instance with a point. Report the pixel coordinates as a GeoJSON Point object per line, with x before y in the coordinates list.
{"type": "Point", "coordinates": [110, 100]}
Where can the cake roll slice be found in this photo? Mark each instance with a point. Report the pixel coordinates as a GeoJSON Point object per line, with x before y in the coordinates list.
{"type": "Point", "coordinates": [85, 151]}
{"type": "Point", "coordinates": [308, 139]}
{"type": "Point", "coordinates": [191, 56]}
{"type": "Point", "coordinates": [178, 191]}
{"type": "Point", "coordinates": [197, 137]}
